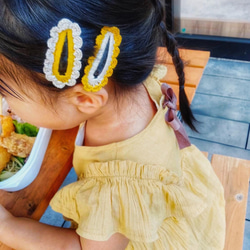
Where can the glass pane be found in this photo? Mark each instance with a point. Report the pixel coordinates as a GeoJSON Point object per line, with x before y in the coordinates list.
{"type": "Point", "coordinates": [228, 18]}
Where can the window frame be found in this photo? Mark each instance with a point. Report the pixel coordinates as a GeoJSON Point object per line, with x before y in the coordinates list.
{"type": "Point", "coordinates": [223, 47]}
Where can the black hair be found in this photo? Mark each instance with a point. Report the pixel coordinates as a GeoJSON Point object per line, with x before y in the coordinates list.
{"type": "Point", "coordinates": [172, 47]}
{"type": "Point", "coordinates": [25, 28]}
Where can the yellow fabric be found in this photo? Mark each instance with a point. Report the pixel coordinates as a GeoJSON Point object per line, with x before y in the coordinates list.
{"type": "Point", "coordinates": [156, 195]}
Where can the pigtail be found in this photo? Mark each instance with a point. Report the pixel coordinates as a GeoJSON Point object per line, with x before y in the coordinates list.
{"type": "Point", "coordinates": [172, 48]}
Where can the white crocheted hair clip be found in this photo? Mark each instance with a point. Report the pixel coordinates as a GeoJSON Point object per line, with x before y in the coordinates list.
{"type": "Point", "coordinates": [95, 75]}
{"type": "Point", "coordinates": [107, 50]}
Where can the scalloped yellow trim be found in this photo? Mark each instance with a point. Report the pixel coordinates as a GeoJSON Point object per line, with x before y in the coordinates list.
{"type": "Point", "coordinates": [99, 39]}
{"type": "Point", "coordinates": [57, 55]}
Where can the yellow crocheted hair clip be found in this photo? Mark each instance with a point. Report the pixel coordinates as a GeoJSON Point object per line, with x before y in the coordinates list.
{"type": "Point", "coordinates": [100, 66]}
{"type": "Point", "coordinates": [69, 32]}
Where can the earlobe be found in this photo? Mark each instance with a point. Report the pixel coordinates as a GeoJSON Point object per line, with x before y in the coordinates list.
{"type": "Point", "coordinates": [88, 102]}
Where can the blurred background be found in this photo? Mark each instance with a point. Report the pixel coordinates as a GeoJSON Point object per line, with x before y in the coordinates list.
{"type": "Point", "coordinates": [221, 26]}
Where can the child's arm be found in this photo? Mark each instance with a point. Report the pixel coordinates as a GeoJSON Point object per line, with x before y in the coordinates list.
{"type": "Point", "coordinates": [23, 233]}
{"type": "Point", "coordinates": [115, 242]}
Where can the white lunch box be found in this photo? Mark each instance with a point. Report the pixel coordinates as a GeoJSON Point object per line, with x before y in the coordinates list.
{"type": "Point", "coordinates": [30, 170]}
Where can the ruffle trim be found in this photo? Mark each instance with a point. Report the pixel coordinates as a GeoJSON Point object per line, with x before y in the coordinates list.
{"type": "Point", "coordinates": [130, 169]}
{"type": "Point", "coordinates": [134, 199]}
{"type": "Point", "coordinates": [153, 84]}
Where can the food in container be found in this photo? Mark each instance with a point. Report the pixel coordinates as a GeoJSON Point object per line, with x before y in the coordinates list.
{"type": "Point", "coordinates": [16, 142]}
{"type": "Point", "coordinates": [22, 148]}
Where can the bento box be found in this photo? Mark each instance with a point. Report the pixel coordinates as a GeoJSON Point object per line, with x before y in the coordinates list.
{"type": "Point", "coordinates": [14, 179]}
{"type": "Point", "coordinates": [27, 174]}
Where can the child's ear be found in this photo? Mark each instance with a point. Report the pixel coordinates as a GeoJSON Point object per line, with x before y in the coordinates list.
{"type": "Point", "coordinates": [87, 102]}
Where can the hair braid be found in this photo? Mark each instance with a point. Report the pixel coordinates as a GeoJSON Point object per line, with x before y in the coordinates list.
{"type": "Point", "coordinates": [172, 48]}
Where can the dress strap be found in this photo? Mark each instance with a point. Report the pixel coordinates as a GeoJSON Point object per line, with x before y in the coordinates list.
{"type": "Point", "coordinates": [171, 117]}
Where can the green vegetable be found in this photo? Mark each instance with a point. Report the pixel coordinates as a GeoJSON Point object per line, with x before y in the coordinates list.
{"type": "Point", "coordinates": [25, 128]}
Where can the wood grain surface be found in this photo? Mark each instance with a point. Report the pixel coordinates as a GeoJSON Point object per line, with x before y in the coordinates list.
{"type": "Point", "coordinates": [32, 201]}
{"type": "Point", "coordinates": [234, 174]}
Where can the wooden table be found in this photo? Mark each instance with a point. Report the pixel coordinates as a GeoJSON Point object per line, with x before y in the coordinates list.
{"type": "Point", "coordinates": [32, 201]}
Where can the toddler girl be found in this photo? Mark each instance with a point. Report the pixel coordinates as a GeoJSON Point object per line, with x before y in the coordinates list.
{"type": "Point", "coordinates": [141, 184]}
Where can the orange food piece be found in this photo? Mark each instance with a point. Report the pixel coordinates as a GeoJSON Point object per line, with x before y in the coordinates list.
{"type": "Point", "coordinates": [7, 125]}
{"type": "Point", "coordinates": [5, 158]}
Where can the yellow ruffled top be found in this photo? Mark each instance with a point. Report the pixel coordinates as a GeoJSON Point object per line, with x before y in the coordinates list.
{"type": "Point", "coordinates": [147, 189]}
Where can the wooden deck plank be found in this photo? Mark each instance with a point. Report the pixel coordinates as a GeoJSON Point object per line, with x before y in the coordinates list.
{"type": "Point", "coordinates": [195, 58]}
{"type": "Point", "coordinates": [191, 58]}
{"type": "Point", "coordinates": [192, 75]}
{"type": "Point", "coordinates": [234, 175]}
{"type": "Point", "coordinates": [205, 153]}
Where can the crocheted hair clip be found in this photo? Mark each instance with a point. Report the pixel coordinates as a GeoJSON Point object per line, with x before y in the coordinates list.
{"type": "Point", "coordinates": [100, 66]}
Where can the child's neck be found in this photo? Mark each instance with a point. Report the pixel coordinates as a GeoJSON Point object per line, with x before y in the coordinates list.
{"type": "Point", "coordinates": [118, 123]}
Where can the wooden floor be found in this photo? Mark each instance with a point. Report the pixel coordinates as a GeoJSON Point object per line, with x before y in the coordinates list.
{"type": "Point", "coordinates": [222, 107]}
